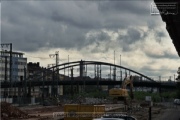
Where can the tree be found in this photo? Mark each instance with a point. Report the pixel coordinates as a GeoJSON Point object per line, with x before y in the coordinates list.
{"type": "Point", "coordinates": [178, 83]}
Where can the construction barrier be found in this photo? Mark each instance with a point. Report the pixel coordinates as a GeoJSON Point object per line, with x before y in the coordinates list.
{"type": "Point", "coordinates": [83, 112]}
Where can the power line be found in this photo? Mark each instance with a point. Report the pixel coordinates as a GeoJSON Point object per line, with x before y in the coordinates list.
{"type": "Point", "coordinates": [37, 57]}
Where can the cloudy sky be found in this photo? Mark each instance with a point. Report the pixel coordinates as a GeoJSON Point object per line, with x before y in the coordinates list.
{"type": "Point", "coordinates": [90, 30]}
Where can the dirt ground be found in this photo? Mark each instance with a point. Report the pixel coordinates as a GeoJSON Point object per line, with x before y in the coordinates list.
{"type": "Point", "coordinates": [10, 112]}
{"type": "Point", "coordinates": [46, 112]}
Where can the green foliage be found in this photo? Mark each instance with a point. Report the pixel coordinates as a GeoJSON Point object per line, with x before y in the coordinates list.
{"type": "Point", "coordinates": [169, 94]}
{"type": "Point", "coordinates": [178, 90]}
{"type": "Point", "coordinates": [178, 94]}
{"type": "Point", "coordinates": [139, 95]}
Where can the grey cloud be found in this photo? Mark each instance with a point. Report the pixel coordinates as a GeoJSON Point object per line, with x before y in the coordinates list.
{"type": "Point", "coordinates": [128, 40]}
{"type": "Point", "coordinates": [94, 38]}
{"type": "Point", "coordinates": [159, 36]}
{"type": "Point", "coordinates": [148, 70]}
{"type": "Point", "coordinates": [136, 7]}
{"type": "Point", "coordinates": [70, 21]}
{"type": "Point", "coordinates": [132, 36]}
{"type": "Point", "coordinates": [31, 25]}
{"type": "Point", "coordinates": [165, 54]}
{"type": "Point", "coordinates": [31, 34]}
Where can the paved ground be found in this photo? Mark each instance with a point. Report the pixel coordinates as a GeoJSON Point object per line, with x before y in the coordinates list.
{"type": "Point", "coordinates": [169, 114]}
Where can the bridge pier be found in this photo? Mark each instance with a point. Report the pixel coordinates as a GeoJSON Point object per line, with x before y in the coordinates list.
{"type": "Point", "coordinates": [81, 74]}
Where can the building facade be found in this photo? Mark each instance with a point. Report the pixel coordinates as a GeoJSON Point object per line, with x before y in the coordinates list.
{"type": "Point", "coordinates": [18, 66]}
{"type": "Point", "coordinates": [18, 70]}
{"type": "Point", "coordinates": [35, 73]}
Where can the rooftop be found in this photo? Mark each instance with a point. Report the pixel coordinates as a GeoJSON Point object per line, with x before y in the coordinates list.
{"type": "Point", "coordinates": [14, 54]}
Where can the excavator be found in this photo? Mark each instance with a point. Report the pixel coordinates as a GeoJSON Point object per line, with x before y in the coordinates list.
{"type": "Point", "coordinates": [121, 94]}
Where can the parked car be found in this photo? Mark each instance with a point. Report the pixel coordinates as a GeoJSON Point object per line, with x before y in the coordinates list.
{"type": "Point", "coordinates": [177, 101]}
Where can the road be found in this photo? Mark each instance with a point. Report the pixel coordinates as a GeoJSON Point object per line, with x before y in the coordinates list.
{"type": "Point", "coordinates": [169, 114]}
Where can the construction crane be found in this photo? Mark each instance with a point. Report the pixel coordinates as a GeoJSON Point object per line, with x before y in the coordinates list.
{"type": "Point", "coordinates": [121, 94]}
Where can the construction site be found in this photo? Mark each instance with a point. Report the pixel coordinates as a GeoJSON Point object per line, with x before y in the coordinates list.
{"type": "Point", "coordinates": [143, 86]}
{"type": "Point", "coordinates": [47, 94]}
{"type": "Point", "coordinates": [121, 104]}
{"type": "Point", "coordinates": [140, 111]}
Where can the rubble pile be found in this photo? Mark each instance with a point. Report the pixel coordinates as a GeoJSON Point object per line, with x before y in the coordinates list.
{"type": "Point", "coordinates": [87, 100]}
{"type": "Point", "coordinates": [9, 111]}
{"type": "Point", "coordinates": [144, 104]}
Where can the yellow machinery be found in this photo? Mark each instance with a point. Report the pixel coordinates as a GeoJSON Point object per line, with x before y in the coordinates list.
{"type": "Point", "coordinates": [83, 112]}
{"type": "Point", "coordinates": [122, 93]}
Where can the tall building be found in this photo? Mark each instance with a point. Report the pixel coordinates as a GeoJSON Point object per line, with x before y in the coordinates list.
{"type": "Point", "coordinates": [35, 73]}
{"type": "Point", "coordinates": [19, 63]}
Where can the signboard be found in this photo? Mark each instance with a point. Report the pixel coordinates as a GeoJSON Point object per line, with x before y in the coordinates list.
{"type": "Point", "coordinates": [148, 98]}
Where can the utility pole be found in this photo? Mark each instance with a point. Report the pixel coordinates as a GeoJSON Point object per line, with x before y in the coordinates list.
{"type": "Point", "coordinates": [68, 66]}
{"type": "Point", "coordinates": [57, 68]}
{"type": "Point", "coordinates": [25, 86]}
{"type": "Point", "coordinates": [8, 45]}
{"type": "Point", "coordinates": [55, 55]}
{"type": "Point", "coordinates": [10, 67]}
{"type": "Point", "coordinates": [120, 60]}
{"type": "Point", "coordinates": [114, 71]}
{"type": "Point", "coordinates": [5, 89]}
{"type": "Point", "coordinates": [120, 69]}
{"type": "Point", "coordinates": [72, 83]}
{"type": "Point", "coordinates": [160, 88]}
{"type": "Point", "coordinates": [114, 57]}
{"type": "Point", "coordinates": [44, 73]}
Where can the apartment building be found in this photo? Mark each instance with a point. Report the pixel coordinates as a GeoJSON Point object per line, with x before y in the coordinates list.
{"type": "Point", "coordinates": [19, 63]}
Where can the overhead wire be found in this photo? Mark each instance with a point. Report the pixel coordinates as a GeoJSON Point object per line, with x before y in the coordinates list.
{"type": "Point", "coordinates": [37, 57]}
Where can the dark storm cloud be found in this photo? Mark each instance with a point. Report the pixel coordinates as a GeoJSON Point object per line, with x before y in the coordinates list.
{"type": "Point", "coordinates": [133, 35]}
{"type": "Point", "coordinates": [124, 7]}
{"type": "Point", "coordinates": [30, 32]}
{"type": "Point", "coordinates": [70, 21]}
{"type": "Point", "coordinates": [96, 38]}
{"type": "Point", "coordinates": [31, 25]}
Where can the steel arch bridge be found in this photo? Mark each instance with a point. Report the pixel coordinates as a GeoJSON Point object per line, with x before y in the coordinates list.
{"type": "Point", "coordinates": [96, 68]}
{"type": "Point", "coordinates": [88, 73]}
